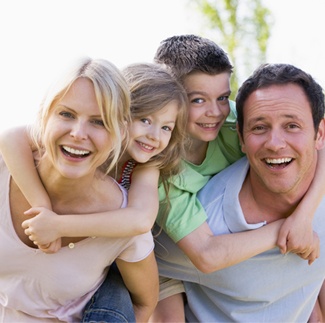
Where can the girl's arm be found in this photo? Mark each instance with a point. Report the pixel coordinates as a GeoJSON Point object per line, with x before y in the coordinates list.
{"type": "Point", "coordinates": [296, 234]}
{"type": "Point", "coordinates": [17, 151]}
{"type": "Point", "coordinates": [137, 218]}
{"type": "Point", "coordinates": [141, 279]}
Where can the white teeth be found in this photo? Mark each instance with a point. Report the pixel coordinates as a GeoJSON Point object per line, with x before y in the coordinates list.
{"type": "Point", "coordinates": [278, 160]}
{"type": "Point", "coordinates": [76, 151]}
{"type": "Point", "coordinates": [146, 146]}
{"type": "Point", "coordinates": [208, 125]}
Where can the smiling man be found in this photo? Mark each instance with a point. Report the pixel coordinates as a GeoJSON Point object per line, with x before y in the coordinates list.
{"type": "Point", "coordinates": [281, 126]}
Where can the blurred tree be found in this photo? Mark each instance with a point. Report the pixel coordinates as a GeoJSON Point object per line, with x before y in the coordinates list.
{"type": "Point", "coordinates": [242, 29]}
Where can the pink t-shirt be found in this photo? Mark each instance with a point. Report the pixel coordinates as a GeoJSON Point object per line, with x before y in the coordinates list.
{"type": "Point", "coordinates": [39, 287]}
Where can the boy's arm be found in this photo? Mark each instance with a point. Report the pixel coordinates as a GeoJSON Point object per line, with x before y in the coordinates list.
{"type": "Point", "coordinates": [141, 279]}
{"type": "Point", "coordinates": [137, 218]}
{"type": "Point", "coordinates": [296, 234]}
{"type": "Point", "coordinates": [15, 146]}
{"type": "Point", "coordinates": [209, 252]}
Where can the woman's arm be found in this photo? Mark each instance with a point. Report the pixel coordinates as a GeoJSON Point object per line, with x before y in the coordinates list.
{"type": "Point", "coordinates": [296, 234]}
{"type": "Point", "coordinates": [16, 148]}
{"type": "Point", "coordinates": [137, 218]}
{"type": "Point", "coordinates": [141, 279]}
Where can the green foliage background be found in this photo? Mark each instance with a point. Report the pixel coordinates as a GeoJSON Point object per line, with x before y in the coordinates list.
{"type": "Point", "coordinates": [242, 28]}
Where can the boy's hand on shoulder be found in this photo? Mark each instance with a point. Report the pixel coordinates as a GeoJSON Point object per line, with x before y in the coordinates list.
{"type": "Point", "coordinates": [297, 236]}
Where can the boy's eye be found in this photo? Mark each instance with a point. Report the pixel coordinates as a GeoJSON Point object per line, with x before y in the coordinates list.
{"type": "Point", "coordinates": [223, 98]}
{"type": "Point", "coordinates": [197, 100]}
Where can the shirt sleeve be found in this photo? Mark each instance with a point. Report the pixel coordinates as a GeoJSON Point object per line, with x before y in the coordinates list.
{"type": "Point", "coordinates": [184, 213]}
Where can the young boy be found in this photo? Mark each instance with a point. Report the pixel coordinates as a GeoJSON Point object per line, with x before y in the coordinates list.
{"type": "Point", "coordinates": [204, 70]}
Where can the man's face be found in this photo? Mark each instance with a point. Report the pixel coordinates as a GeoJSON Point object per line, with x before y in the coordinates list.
{"type": "Point", "coordinates": [279, 139]}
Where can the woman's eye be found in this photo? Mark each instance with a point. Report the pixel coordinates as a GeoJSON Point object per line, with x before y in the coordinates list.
{"type": "Point", "coordinates": [98, 122]}
{"type": "Point", "coordinates": [66, 114]}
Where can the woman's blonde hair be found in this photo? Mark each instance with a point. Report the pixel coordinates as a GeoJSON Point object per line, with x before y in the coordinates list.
{"type": "Point", "coordinates": [112, 94]}
{"type": "Point", "coordinates": [152, 87]}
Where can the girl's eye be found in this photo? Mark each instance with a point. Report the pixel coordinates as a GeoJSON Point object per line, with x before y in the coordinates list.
{"type": "Point", "coordinates": [66, 114]}
{"type": "Point", "coordinates": [144, 120]}
{"type": "Point", "coordinates": [166, 128]}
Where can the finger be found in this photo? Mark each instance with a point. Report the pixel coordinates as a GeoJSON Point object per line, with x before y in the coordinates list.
{"type": "Point", "coordinates": [282, 243]}
{"type": "Point", "coordinates": [25, 224]}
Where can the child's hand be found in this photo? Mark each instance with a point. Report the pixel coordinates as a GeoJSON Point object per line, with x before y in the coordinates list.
{"type": "Point", "coordinates": [298, 237]}
{"type": "Point", "coordinates": [42, 228]}
{"type": "Point", "coordinates": [312, 253]}
{"type": "Point", "coordinates": [52, 247]}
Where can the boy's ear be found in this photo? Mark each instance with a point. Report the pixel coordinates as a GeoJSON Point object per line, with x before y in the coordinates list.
{"type": "Point", "coordinates": [241, 141]}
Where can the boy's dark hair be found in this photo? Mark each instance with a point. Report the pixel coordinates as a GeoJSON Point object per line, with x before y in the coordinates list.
{"type": "Point", "coordinates": [187, 53]}
{"type": "Point", "coordinates": [276, 74]}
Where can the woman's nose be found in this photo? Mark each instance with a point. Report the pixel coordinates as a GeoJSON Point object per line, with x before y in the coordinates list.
{"type": "Point", "coordinates": [79, 131]}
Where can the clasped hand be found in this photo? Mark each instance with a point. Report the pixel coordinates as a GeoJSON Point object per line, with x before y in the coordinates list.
{"type": "Point", "coordinates": [42, 229]}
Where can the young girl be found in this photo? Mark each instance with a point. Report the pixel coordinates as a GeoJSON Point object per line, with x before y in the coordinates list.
{"type": "Point", "coordinates": [154, 147]}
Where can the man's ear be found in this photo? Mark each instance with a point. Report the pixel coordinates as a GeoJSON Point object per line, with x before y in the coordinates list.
{"type": "Point", "coordinates": [320, 136]}
{"type": "Point", "coordinates": [241, 141]}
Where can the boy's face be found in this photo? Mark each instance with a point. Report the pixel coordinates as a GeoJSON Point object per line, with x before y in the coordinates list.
{"type": "Point", "coordinates": [209, 104]}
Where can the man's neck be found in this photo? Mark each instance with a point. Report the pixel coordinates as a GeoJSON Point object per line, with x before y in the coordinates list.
{"type": "Point", "coordinates": [261, 205]}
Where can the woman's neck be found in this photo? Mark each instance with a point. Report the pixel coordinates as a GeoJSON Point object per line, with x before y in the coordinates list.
{"type": "Point", "coordinates": [70, 193]}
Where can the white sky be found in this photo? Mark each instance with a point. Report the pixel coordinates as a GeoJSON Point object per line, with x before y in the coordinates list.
{"type": "Point", "coordinates": [39, 37]}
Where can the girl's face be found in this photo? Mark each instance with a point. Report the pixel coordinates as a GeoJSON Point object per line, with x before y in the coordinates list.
{"type": "Point", "coordinates": [150, 135]}
{"type": "Point", "coordinates": [209, 104]}
{"type": "Point", "coordinates": [75, 139]}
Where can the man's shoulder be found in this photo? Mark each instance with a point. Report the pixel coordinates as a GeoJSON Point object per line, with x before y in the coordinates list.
{"type": "Point", "coordinates": [218, 183]}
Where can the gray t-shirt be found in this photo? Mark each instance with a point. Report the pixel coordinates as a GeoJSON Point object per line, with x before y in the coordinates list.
{"type": "Point", "coordinates": [269, 287]}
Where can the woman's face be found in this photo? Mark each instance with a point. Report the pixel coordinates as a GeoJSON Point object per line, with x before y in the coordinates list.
{"type": "Point", "coordinates": [75, 138]}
